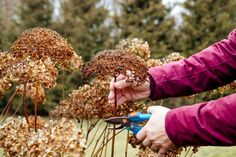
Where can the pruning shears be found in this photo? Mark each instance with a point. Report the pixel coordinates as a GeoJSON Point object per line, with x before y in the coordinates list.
{"type": "Point", "coordinates": [130, 122]}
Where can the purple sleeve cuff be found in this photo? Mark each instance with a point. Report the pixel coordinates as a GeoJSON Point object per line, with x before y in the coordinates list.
{"type": "Point", "coordinates": [152, 88]}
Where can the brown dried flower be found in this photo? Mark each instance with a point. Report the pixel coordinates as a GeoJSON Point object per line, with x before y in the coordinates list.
{"type": "Point", "coordinates": [147, 152]}
{"type": "Point", "coordinates": [90, 101]}
{"type": "Point", "coordinates": [42, 43]}
{"type": "Point", "coordinates": [115, 62]}
{"type": "Point", "coordinates": [135, 46]}
{"type": "Point", "coordinates": [6, 61]}
{"type": "Point", "coordinates": [31, 91]}
{"type": "Point", "coordinates": [53, 138]}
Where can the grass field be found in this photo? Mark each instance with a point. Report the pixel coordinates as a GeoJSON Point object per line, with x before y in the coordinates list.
{"type": "Point", "coordinates": [121, 141]}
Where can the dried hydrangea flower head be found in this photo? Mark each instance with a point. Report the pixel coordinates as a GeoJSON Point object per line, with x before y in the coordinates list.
{"type": "Point", "coordinates": [6, 61]}
{"type": "Point", "coordinates": [115, 62]}
{"type": "Point", "coordinates": [31, 91]}
{"type": "Point", "coordinates": [173, 152]}
{"type": "Point", "coordinates": [32, 71]}
{"type": "Point", "coordinates": [135, 46]}
{"type": "Point", "coordinates": [54, 138]}
{"type": "Point", "coordinates": [174, 56]}
{"type": "Point", "coordinates": [42, 43]}
{"type": "Point", "coordinates": [24, 70]}
{"type": "Point", "coordinates": [147, 152]}
{"type": "Point", "coordinates": [90, 101]}
{"type": "Point", "coordinates": [153, 62]}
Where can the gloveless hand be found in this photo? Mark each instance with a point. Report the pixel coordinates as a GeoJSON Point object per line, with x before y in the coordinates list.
{"type": "Point", "coordinates": [125, 91]}
{"type": "Point", "coordinates": [153, 134]}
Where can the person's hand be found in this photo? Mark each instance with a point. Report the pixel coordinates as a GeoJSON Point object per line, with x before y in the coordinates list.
{"type": "Point", "coordinates": [125, 91]}
{"type": "Point", "coordinates": [153, 134]}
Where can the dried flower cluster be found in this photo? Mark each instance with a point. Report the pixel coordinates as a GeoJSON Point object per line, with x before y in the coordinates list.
{"type": "Point", "coordinates": [174, 151]}
{"type": "Point", "coordinates": [175, 56]}
{"type": "Point", "coordinates": [115, 62]}
{"type": "Point", "coordinates": [6, 60]}
{"type": "Point", "coordinates": [54, 138]}
{"type": "Point", "coordinates": [90, 101]}
{"type": "Point", "coordinates": [41, 44]}
{"type": "Point", "coordinates": [33, 61]}
{"type": "Point", "coordinates": [25, 70]}
{"type": "Point", "coordinates": [135, 46]}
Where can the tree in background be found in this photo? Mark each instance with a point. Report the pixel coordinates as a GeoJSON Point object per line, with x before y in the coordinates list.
{"type": "Point", "coordinates": [36, 13]}
{"type": "Point", "coordinates": [204, 22]}
{"type": "Point", "coordinates": [149, 20]}
{"type": "Point", "coordinates": [83, 23]}
{"type": "Point", "coordinates": [7, 24]}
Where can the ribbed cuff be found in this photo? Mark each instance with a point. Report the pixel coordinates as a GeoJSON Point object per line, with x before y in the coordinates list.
{"type": "Point", "coordinates": [152, 87]}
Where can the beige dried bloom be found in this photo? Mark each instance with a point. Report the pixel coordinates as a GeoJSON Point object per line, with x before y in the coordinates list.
{"type": "Point", "coordinates": [27, 70]}
{"type": "Point", "coordinates": [174, 56]}
{"type": "Point", "coordinates": [31, 91]}
{"type": "Point", "coordinates": [6, 61]}
{"type": "Point", "coordinates": [154, 62]}
{"type": "Point", "coordinates": [135, 46]}
{"type": "Point", "coordinates": [41, 44]}
{"type": "Point", "coordinates": [174, 151]}
{"type": "Point", "coordinates": [21, 71]}
{"type": "Point", "coordinates": [114, 62]}
{"type": "Point", "coordinates": [53, 138]}
{"type": "Point", "coordinates": [90, 101]}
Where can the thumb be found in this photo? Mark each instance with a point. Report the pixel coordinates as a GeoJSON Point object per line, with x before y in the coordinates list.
{"type": "Point", "coordinates": [141, 134]}
{"type": "Point", "coordinates": [152, 109]}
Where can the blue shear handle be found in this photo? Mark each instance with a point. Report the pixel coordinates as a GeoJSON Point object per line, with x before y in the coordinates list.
{"type": "Point", "coordinates": [139, 117]}
{"type": "Point", "coordinates": [135, 129]}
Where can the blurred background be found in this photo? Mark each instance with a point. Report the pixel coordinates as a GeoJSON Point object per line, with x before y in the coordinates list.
{"type": "Point", "coordinates": [185, 26]}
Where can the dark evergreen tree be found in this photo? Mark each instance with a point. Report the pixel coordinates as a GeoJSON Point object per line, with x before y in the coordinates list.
{"type": "Point", "coordinates": [147, 19]}
{"type": "Point", "coordinates": [35, 13]}
{"type": "Point", "coordinates": [204, 22]}
{"type": "Point", "coordinates": [83, 23]}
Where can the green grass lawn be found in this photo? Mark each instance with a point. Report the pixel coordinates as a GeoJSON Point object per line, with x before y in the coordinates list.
{"type": "Point", "coordinates": [121, 141]}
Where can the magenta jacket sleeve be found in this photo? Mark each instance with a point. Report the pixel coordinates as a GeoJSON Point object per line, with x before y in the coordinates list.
{"type": "Point", "coordinates": [212, 67]}
{"type": "Point", "coordinates": [208, 123]}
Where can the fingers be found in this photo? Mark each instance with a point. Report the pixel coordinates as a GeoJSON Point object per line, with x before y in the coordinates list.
{"type": "Point", "coordinates": [155, 146]}
{"type": "Point", "coordinates": [121, 84]}
{"type": "Point", "coordinates": [146, 142]}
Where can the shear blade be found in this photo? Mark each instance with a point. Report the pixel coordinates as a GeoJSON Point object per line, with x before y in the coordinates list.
{"type": "Point", "coordinates": [118, 127]}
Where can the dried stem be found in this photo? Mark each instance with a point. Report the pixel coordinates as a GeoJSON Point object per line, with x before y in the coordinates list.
{"type": "Point", "coordinates": [107, 137]}
{"type": "Point", "coordinates": [95, 134]}
{"type": "Point", "coordinates": [103, 141]}
{"type": "Point", "coordinates": [18, 107]}
{"type": "Point", "coordinates": [107, 142]}
{"type": "Point", "coordinates": [187, 152]}
{"type": "Point", "coordinates": [90, 128]}
{"type": "Point", "coordinates": [8, 106]}
{"type": "Point", "coordinates": [114, 127]}
{"type": "Point", "coordinates": [126, 145]}
{"type": "Point", "coordinates": [25, 103]}
{"type": "Point", "coordinates": [98, 139]}
{"type": "Point", "coordinates": [36, 106]}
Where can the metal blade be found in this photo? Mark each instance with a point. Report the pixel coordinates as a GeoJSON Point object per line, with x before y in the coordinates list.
{"type": "Point", "coordinates": [115, 120]}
